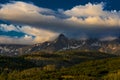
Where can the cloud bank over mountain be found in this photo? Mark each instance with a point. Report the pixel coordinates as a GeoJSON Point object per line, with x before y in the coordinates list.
{"type": "Point", "coordinates": [43, 24]}
{"type": "Point", "coordinates": [32, 35]}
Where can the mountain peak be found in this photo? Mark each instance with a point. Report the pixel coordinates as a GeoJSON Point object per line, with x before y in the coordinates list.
{"type": "Point", "coordinates": [61, 35]}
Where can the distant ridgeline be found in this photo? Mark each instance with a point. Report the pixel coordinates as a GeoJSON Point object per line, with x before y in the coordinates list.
{"type": "Point", "coordinates": [62, 43]}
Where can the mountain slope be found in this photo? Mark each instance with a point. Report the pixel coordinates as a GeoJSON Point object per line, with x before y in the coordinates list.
{"type": "Point", "coordinates": [63, 43]}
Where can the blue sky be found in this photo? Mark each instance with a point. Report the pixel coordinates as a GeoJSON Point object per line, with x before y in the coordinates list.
{"type": "Point", "coordinates": [36, 21]}
{"type": "Point", "coordinates": [67, 4]}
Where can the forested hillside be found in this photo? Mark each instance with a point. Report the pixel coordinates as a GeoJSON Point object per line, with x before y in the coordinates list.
{"type": "Point", "coordinates": [63, 65]}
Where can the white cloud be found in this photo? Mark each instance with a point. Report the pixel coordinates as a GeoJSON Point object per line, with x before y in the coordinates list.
{"type": "Point", "coordinates": [5, 27]}
{"type": "Point", "coordinates": [93, 15]}
{"type": "Point", "coordinates": [24, 12]}
{"type": "Point", "coordinates": [94, 21]}
{"type": "Point", "coordinates": [45, 24]}
{"type": "Point", "coordinates": [85, 15]}
{"type": "Point", "coordinates": [40, 35]}
{"type": "Point", "coordinates": [10, 40]}
{"type": "Point", "coordinates": [86, 10]}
